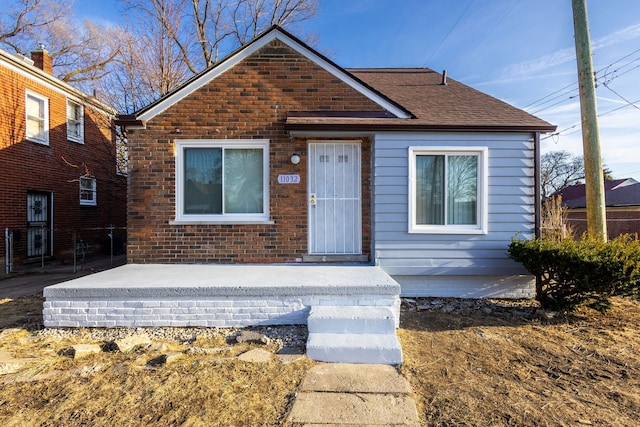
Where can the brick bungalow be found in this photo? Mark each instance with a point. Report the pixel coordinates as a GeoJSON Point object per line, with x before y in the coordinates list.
{"type": "Point", "coordinates": [278, 155]}
{"type": "Point", "coordinates": [59, 177]}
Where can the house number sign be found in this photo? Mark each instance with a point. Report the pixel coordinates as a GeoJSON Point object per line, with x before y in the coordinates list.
{"type": "Point", "coordinates": [288, 179]}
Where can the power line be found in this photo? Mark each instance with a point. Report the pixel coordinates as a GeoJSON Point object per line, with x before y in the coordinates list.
{"type": "Point", "coordinates": [557, 103]}
{"type": "Point", "coordinates": [574, 84]}
{"type": "Point", "coordinates": [448, 33]}
{"type": "Point", "coordinates": [551, 94]}
{"type": "Point", "coordinates": [620, 96]}
{"type": "Point", "coordinates": [561, 132]}
{"type": "Point", "coordinates": [620, 108]}
{"type": "Point", "coordinates": [614, 75]}
{"type": "Point", "coordinates": [487, 34]}
{"type": "Point", "coordinates": [624, 57]}
{"type": "Point", "coordinates": [600, 80]}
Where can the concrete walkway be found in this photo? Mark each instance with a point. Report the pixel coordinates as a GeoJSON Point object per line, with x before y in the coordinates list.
{"type": "Point", "coordinates": [355, 395]}
{"type": "Point", "coordinates": [32, 279]}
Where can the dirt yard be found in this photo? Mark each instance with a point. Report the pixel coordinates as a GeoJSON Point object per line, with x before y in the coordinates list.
{"type": "Point", "coordinates": [502, 363]}
{"type": "Point", "coordinates": [470, 363]}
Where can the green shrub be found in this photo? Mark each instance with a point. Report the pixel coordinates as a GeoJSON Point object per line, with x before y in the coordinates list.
{"type": "Point", "coordinates": [571, 272]}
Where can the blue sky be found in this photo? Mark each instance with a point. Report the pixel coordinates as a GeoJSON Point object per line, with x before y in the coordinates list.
{"type": "Point", "coordinates": [520, 51]}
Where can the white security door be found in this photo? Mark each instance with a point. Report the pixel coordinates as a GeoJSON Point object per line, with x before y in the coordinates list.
{"type": "Point", "coordinates": [335, 219]}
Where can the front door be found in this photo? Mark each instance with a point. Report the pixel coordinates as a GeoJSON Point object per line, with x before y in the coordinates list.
{"type": "Point", "coordinates": [39, 230]}
{"type": "Point", "coordinates": [335, 219]}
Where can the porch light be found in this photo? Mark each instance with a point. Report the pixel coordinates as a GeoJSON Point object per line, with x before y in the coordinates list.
{"type": "Point", "coordinates": [295, 158]}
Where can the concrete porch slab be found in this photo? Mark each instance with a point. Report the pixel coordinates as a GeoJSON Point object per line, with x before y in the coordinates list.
{"type": "Point", "coordinates": [213, 295]}
{"type": "Point", "coordinates": [151, 280]}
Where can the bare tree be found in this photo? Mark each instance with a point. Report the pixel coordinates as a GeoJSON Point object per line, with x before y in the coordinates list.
{"type": "Point", "coordinates": [558, 170]}
{"type": "Point", "coordinates": [205, 30]}
{"type": "Point", "coordinates": [21, 19]}
{"type": "Point", "coordinates": [80, 51]}
{"type": "Point", "coordinates": [157, 47]}
{"type": "Point", "coordinates": [251, 17]}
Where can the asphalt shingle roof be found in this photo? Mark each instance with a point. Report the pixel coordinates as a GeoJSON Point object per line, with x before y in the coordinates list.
{"type": "Point", "coordinates": [619, 192]}
{"type": "Point", "coordinates": [433, 104]}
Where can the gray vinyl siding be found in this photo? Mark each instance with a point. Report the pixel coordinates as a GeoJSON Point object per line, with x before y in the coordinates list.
{"type": "Point", "coordinates": [510, 207]}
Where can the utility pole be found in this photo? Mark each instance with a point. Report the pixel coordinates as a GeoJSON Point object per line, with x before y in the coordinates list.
{"type": "Point", "coordinates": [594, 179]}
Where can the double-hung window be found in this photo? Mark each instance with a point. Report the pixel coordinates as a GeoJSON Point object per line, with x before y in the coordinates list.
{"type": "Point", "coordinates": [37, 109]}
{"type": "Point", "coordinates": [448, 190]}
{"type": "Point", "coordinates": [88, 191]}
{"type": "Point", "coordinates": [75, 122]}
{"type": "Point", "coordinates": [222, 180]}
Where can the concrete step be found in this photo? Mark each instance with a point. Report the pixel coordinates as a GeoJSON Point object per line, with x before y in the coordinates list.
{"type": "Point", "coordinates": [351, 320]}
{"type": "Point", "coordinates": [354, 348]}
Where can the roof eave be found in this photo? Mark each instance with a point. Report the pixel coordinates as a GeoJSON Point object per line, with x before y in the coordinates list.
{"type": "Point", "coordinates": [129, 121]}
{"type": "Point", "coordinates": [417, 127]}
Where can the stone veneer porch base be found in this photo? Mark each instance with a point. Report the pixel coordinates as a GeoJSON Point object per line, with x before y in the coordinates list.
{"type": "Point", "coordinates": [157, 295]}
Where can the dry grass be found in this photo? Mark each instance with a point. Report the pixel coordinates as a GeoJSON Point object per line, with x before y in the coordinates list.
{"type": "Point", "coordinates": [108, 389]}
{"type": "Point", "coordinates": [582, 369]}
{"type": "Point", "coordinates": [465, 371]}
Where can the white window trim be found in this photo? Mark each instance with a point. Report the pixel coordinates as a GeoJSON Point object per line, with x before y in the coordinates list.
{"type": "Point", "coordinates": [94, 200]}
{"type": "Point", "coordinates": [45, 140]}
{"type": "Point", "coordinates": [71, 137]}
{"type": "Point", "coordinates": [483, 191]}
{"type": "Point", "coordinates": [182, 218]}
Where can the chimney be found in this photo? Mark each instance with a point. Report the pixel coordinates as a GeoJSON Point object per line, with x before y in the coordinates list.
{"type": "Point", "coordinates": [42, 60]}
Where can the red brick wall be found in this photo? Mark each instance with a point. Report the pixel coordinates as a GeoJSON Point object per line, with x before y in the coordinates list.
{"type": "Point", "coordinates": [619, 221]}
{"type": "Point", "coordinates": [56, 168]}
{"type": "Point", "coordinates": [250, 101]}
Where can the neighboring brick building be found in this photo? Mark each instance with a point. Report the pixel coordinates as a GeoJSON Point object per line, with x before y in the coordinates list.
{"type": "Point", "coordinates": [278, 155]}
{"type": "Point", "coordinates": [57, 157]}
{"type": "Point", "coordinates": [622, 200]}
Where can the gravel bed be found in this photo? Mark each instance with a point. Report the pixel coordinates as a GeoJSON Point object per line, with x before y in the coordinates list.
{"type": "Point", "coordinates": [503, 308]}
{"type": "Point", "coordinates": [283, 335]}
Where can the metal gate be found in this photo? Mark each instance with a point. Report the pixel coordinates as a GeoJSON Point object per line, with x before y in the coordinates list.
{"type": "Point", "coordinates": [39, 230]}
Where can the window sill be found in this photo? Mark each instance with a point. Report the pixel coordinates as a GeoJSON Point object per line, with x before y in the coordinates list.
{"type": "Point", "coordinates": [39, 141]}
{"type": "Point", "coordinates": [221, 222]}
{"type": "Point", "coordinates": [447, 231]}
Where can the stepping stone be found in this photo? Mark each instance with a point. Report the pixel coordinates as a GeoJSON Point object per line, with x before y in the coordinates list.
{"type": "Point", "coordinates": [80, 350]}
{"type": "Point", "coordinates": [165, 359]}
{"type": "Point", "coordinates": [355, 378]}
{"type": "Point", "coordinates": [128, 344]}
{"type": "Point", "coordinates": [370, 409]}
{"type": "Point", "coordinates": [288, 355]}
{"type": "Point", "coordinates": [252, 337]}
{"type": "Point", "coordinates": [10, 365]}
{"type": "Point", "coordinates": [257, 355]}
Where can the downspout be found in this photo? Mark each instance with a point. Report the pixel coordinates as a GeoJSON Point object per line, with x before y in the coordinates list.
{"type": "Point", "coordinates": [8, 249]}
{"type": "Point", "coordinates": [537, 181]}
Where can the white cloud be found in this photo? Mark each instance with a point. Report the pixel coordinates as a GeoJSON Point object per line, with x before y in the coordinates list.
{"type": "Point", "coordinates": [526, 69]}
{"type": "Point", "coordinates": [623, 35]}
